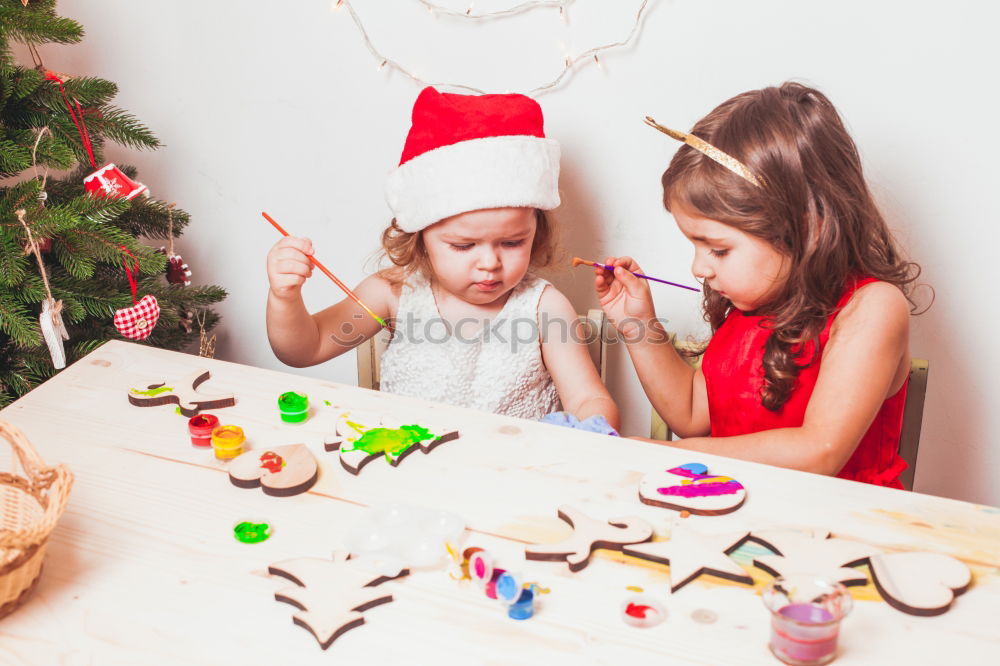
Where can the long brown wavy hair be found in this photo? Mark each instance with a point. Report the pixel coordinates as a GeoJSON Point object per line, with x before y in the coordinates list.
{"type": "Point", "coordinates": [814, 207]}
{"type": "Point", "coordinates": [408, 255]}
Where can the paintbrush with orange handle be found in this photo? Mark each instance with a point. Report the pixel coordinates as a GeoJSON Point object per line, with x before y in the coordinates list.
{"type": "Point", "coordinates": [330, 275]}
{"type": "Point", "coordinates": [577, 261]}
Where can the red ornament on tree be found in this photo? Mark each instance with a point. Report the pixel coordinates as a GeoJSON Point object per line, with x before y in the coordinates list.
{"type": "Point", "coordinates": [177, 271]}
{"type": "Point", "coordinates": [109, 181]}
{"type": "Point", "coordinates": [137, 322]}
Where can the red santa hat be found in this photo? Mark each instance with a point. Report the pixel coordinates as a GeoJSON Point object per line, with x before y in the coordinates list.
{"type": "Point", "coordinates": [469, 152]}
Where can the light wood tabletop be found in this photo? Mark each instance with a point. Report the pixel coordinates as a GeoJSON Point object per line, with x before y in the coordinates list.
{"type": "Point", "coordinates": [143, 566]}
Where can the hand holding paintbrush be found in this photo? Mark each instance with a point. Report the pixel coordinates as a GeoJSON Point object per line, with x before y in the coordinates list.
{"type": "Point", "coordinates": [577, 261]}
{"type": "Point", "coordinates": [295, 276]}
{"type": "Point", "coordinates": [625, 297]}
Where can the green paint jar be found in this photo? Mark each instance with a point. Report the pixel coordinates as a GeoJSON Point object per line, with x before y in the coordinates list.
{"type": "Point", "coordinates": [294, 407]}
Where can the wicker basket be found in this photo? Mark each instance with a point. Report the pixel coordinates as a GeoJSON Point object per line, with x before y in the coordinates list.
{"type": "Point", "coordinates": [30, 505]}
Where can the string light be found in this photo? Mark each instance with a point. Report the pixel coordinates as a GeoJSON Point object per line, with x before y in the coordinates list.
{"type": "Point", "coordinates": [435, 8]}
{"type": "Point", "coordinates": [568, 64]}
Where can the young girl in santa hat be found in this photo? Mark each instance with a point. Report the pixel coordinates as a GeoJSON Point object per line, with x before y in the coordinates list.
{"type": "Point", "coordinates": [805, 289]}
{"type": "Point", "coordinates": [472, 326]}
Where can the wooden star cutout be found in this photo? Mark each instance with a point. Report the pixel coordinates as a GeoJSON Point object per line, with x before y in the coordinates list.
{"type": "Point", "coordinates": [691, 554]}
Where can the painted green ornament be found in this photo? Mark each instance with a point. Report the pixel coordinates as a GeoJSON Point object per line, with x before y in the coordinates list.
{"type": "Point", "coordinates": [393, 442]}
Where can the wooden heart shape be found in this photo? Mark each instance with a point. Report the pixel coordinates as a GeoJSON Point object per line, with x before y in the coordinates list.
{"type": "Point", "coordinates": [137, 322]}
{"type": "Point", "coordinates": [691, 488]}
{"type": "Point", "coordinates": [919, 583]}
{"type": "Point", "coordinates": [280, 470]}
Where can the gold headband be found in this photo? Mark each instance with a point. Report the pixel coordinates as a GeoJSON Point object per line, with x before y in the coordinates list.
{"type": "Point", "coordinates": [708, 150]}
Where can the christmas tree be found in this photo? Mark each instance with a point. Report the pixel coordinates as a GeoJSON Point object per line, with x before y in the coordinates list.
{"type": "Point", "coordinates": [69, 257]}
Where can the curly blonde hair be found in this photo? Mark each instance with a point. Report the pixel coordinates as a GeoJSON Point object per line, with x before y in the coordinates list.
{"type": "Point", "coordinates": [409, 256]}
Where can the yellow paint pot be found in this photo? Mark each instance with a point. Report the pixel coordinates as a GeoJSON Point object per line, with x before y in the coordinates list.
{"type": "Point", "coordinates": [227, 441]}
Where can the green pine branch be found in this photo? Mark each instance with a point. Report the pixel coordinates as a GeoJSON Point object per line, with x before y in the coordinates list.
{"type": "Point", "coordinates": [37, 23]}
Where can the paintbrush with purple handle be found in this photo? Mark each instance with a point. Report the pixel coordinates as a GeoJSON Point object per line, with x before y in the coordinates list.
{"type": "Point", "coordinates": [577, 261]}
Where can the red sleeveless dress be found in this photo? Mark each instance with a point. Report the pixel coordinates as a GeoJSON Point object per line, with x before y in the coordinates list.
{"type": "Point", "coordinates": [734, 375]}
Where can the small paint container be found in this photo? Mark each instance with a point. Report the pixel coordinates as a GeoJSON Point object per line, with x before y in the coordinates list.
{"type": "Point", "coordinates": [642, 610]}
{"type": "Point", "coordinates": [491, 586]}
{"type": "Point", "coordinates": [294, 407]}
{"type": "Point", "coordinates": [201, 426]}
{"type": "Point", "coordinates": [524, 607]}
{"type": "Point", "coordinates": [805, 618]}
{"type": "Point", "coordinates": [227, 441]}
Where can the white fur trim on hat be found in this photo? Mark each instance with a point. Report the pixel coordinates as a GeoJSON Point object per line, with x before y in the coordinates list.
{"type": "Point", "coordinates": [494, 172]}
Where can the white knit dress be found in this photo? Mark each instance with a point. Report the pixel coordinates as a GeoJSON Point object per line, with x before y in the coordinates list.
{"type": "Point", "coordinates": [499, 369]}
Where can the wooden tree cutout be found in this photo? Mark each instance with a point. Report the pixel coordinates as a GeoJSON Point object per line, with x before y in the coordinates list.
{"type": "Point", "coordinates": [184, 394]}
{"type": "Point", "coordinates": [691, 555]}
{"type": "Point", "coordinates": [919, 583]}
{"type": "Point", "coordinates": [813, 553]}
{"type": "Point", "coordinates": [330, 594]}
{"type": "Point", "coordinates": [280, 470]}
{"type": "Point", "coordinates": [588, 535]}
{"type": "Point", "coordinates": [691, 488]}
{"type": "Point", "coordinates": [370, 437]}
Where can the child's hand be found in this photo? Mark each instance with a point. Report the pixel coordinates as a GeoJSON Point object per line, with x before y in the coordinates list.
{"type": "Point", "coordinates": [625, 298]}
{"type": "Point", "coordinates": [288, 265]}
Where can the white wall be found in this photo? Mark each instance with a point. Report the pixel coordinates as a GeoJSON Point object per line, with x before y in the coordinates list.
{"type": "Point", "coordinates": [278, 106]}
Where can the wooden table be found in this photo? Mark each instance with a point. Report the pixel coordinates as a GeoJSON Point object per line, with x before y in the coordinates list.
{"type": "Point", "coordinates": [143, 566]}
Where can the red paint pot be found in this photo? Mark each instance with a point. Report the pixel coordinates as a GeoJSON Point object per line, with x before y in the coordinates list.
{"type": "Point", "coordinates": [491, 587]}
{"type": "Point", "coordinates": [201, 426]}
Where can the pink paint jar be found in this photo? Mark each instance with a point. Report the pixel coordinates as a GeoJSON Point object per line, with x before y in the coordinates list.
{"type": "Point", "coordinates": [201, 426]}
{"type": "Point", "coordinates": [805, 618]}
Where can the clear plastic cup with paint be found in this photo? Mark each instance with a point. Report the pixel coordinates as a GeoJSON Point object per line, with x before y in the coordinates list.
{"type": "Point", "coordinates": [806, 611]}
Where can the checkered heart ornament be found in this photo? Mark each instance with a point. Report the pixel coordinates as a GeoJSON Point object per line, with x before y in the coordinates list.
{"type": "Point", "coordinates": [136, 322]}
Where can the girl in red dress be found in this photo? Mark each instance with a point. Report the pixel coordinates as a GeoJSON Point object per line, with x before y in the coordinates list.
{"type": "Point", "coordinates": [805, 289]}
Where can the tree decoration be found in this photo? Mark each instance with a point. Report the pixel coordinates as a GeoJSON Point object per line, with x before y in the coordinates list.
{"type": "Point", "coordinates": [177, 271]}
{"type": "Point", "coordinates": [137, 322]}
{"type": "Point", "coordinates": [77, 235]}
{"type": "Point", "coordinates": [50, 320]}
{"type": "Point", "coordinates": [331, 595]}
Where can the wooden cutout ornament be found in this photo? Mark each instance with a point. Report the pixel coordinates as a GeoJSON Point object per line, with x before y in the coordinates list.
{"type": "Point", "coordinates": [691, 554]}
{"type": "Point", "coordinates": [280, 471]}
{"type": "Point", "coordinates": [813, 553]}
{"type": "Point", "coordinates": [588, 535]}
{"type": "Point", "coordinates": [361, 438]}
{"type": "Point", "coordinates": [54, 331]}
{"type": "Point", "coordinates": [691, 488]}
{"type": "Point", "coordinates": [184, 394]}
{"type": "Point", "coordinates": [919, 583]}
{"type": "Point", "coordinates": [331, 595]}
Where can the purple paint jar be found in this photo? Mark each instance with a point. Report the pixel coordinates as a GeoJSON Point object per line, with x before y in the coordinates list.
{"type": "Point", "coordinates": [805, 618]}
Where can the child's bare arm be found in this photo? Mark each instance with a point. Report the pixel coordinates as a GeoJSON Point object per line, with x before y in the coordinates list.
{"type": "Point", "coordinates": [864, 362]}
{"type": "Point", "coordinates": [301, 339]}
{"type": "Point", "coordinates": [566, 357]}
{"type": "Point", "coordinates": [676, 391]}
